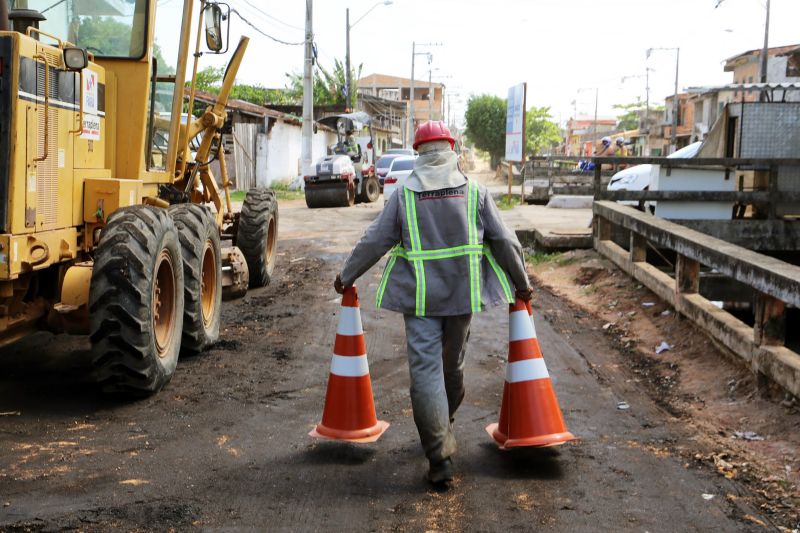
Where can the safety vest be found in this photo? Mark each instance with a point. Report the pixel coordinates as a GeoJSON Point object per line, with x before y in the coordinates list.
{"type": "Point", "coordinates": [473, 252]}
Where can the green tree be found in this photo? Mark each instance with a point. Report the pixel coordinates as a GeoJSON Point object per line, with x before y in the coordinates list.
{"type": "Point", "coordinates": [210, 80]}
{"type": "Point", "coordinates": [486, 125]}
{"type": "Point", "coordinates": [629, 119]}
{"type": "Point", "coordinates": [541, 132]}
{"type": "Point", "coordinates": [328, 85]}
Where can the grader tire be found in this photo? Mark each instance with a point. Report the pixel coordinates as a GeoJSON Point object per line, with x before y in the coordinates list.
{"type": "Point", "coordinates": [370, 190]}
{"type": "Point", "coordinates": [136, 301]}
{"type": "Point", "coordinates": [257, 235]}
{"type": "Point", "coordinates": [202, 276]}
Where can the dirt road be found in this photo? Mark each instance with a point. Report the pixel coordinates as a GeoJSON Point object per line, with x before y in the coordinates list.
{"type": "Point", "coordinates": [225, 445]}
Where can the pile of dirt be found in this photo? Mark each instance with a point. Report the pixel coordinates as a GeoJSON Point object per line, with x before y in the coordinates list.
{"type": "Point", "coordinates": [739, 431]}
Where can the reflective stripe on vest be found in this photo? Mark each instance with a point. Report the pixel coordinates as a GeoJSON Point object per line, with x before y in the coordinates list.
{"type": "Point", "coordinates": [474, 252]}
{"type": "Point", "coordinates": [416, 246]}
{"type": "Point", "coordinates": [474, 260]}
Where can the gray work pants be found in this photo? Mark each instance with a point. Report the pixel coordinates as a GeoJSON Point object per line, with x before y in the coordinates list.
{"type": "Point", "coordinates": [436, 347]}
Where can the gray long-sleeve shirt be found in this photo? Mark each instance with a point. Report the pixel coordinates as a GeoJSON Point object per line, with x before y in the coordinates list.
{"type": "Point", "coordinates": [443, 222]}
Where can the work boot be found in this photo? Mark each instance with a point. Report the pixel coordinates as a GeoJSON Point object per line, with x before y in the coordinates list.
{"type": "Point", "coordinates": [441, 473]}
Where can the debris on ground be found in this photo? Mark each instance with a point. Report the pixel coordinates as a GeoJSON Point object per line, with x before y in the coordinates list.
{"type": "Point", "coordinates": [724, 467]}
{"type": "Point", "coordinates": [10, 413]}
{"type": "Point", "coordinates": [663, 347]}
{"type": "Point", "coordinates": [747, 435]}
{"type": "Point", "coordinates": [694, 382]}
{"type": "Point", "coordinates": [623, 406]}
{"type": "Point", "coordinates": [708, 497]}
{"type": "Point", "coordinates": [648, 304]}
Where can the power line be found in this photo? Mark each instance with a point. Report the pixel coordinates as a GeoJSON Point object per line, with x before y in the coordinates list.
{"type": "Point", "coordinates": [271, 17]}
{"type": "Point", "coordinates": [259, 19]}
{"type": "Point", "coordinates": [233, 10]}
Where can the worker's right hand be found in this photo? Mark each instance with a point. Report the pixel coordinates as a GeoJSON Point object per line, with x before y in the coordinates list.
{"type": "Point", "coordinates": [526, 295]}
{"type": "Point", "coordinates": [338, 286]}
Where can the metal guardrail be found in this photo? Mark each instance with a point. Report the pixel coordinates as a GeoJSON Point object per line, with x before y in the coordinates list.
{"type": "Point", "coordinates": [777, 284]}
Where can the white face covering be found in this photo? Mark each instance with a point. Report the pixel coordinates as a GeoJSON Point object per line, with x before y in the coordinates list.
{"type": "Point", "coordinates": [436, 168]}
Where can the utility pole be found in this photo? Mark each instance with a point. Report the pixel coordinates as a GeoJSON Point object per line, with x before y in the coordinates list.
{"type": "Point", "coordinates": [348, 81]}
{"type": "Point", "coordinates": [594, 125]}
{"type": "Point", "coordinates": [410, 128]}
{"type": "Point", "coordinates": [308, 93]}
{"type": "Point", "coordinates": [765, 56]}
{"type": "Point", "coordinates": [414, 54]}
{"type": "Point", "coordinates": [676, 106]}
{"type": "Point", "coordinates": [430, 94]}
{"type": "Point", "coordinates": [647, 110]}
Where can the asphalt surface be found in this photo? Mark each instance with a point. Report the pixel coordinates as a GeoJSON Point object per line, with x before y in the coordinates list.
{"type": "Point", "coordinates": [225, 444]}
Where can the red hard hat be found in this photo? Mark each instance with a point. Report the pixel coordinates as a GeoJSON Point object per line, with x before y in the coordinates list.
{"type": "Point", "coordinates": [433, 130]}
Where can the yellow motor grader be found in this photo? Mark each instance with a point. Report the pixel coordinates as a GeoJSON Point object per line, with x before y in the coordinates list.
{"type": "Point", "coordinates": [112, 223]}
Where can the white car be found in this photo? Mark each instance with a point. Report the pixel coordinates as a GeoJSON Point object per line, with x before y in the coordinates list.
{"type": "Point", "coordinates": [654, 178]}
{"type": "Point", "coordinates": [400, 170]}
{"type": "Point", "coordinates": [642, 177]}
{"type": "Point", "coordinates": [400, 151]}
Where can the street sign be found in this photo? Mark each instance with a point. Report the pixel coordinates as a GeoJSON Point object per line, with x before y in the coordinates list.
{"type": "Point", "coordinates": [515, 123]}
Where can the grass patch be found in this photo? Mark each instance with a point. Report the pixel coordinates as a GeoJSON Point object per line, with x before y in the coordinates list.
{"type": "Point", "coordinates": [282, 192]}
{"type": "Point", "coordinates": [537, 258]}
{"type": "Point", "coordinates": [564, 261]}
{"type": "Point", "coordinates": [588, 291]}
{"type": "Point", "coordinates": [281, 189]}
{"type": "Point", "coordinates": [505, 205]}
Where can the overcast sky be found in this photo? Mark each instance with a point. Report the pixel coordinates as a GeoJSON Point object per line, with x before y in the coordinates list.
{"type": "Point", "coordinates": [563, 49]}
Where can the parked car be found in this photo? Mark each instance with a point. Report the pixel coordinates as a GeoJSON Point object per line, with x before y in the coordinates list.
{"type": "Point", "coordinates": [382, 166]}
{"type": "Point", "coordinates": [400, 170]}
{"type": "Point", "coordinates": [641, 177]}
{"type": "Point", "coordinates": [654, 178]}
{"type": "Point", "coordinates": [401, 151]}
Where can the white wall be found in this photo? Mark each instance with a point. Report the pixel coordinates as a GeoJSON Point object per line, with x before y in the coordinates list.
{"type": "Point", "coordinates": [284, 146]}
{"type": "Point", "coordinates": [776, 73]}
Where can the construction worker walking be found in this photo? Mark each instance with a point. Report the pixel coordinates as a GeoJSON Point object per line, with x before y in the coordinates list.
{"type": "Point", "coordinates": [450, 255]}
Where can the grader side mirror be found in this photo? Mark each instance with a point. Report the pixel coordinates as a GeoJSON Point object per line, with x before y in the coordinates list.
{"type": "Point", "coordinates": [215, 35]}
{"type": "Point", "coordinates": [75, 59]}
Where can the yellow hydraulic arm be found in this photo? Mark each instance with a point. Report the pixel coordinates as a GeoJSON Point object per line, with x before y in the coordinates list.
{"type": "Point", "coordinates": [208, 124]}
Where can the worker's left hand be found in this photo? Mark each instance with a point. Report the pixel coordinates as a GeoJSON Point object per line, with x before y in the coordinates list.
{"type": "Point", "coordinates": [338, 286]}
{"type": "Point", "coordinates": [524, 294]}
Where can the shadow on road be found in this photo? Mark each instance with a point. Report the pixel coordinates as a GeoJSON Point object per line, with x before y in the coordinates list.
{"type": "Point", "coordinates": [522, 463]}
{"type": "Point", "coordinates": [47, 374]}
{"type": "Point", "coordinates": [336, 453]}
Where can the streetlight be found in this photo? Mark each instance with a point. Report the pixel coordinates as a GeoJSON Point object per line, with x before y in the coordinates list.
{"type": "Point", "coordinates": [596, 98]}
{"type": "Point", "coordinates": [646, 129]}
{"type": "Point", "coordinates": [348, 81]}
{"type": "Point", "coordinates": [676, 105]}
{"type": "Point", "coordinates": [765, 50]}
{"type": "Point", "coordinates": [414, 54]}
{"type": "Point", "coordinates": [431, 92]}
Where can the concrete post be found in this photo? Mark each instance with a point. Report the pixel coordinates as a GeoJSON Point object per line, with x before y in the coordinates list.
{"type": "Point", "coordinates": [687, 275]}
{"type": "Point", "coordinates": [770, 323]}
{"type": "Point", "coordinates": [638, 252]}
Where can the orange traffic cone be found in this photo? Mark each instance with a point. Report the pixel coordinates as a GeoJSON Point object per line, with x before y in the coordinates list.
{"type": "Point", "coordinates": [349, 412]}
{"type": "Point", "coordinates": [529, 415]}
